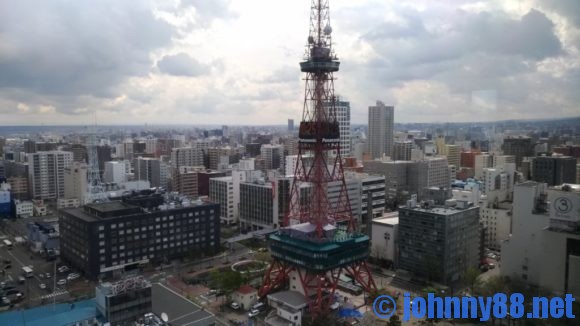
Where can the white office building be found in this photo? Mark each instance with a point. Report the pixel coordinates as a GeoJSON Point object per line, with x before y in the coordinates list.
{"type": "Point", "coordinates": [115, 172]}
{"type": "Point", "coordinates": [544, 247]}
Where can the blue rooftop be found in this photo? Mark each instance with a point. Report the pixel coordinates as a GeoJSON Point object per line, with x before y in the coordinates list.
{"type": "Point", "coordinates": [57, 315]}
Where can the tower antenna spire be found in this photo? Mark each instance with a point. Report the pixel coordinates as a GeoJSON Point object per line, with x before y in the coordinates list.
{"type": "Point", "coordinates": [301, 246]}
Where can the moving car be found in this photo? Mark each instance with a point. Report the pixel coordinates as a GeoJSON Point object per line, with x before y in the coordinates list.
{"type": "Point", "coordinates": [61, 282]}
{"type": "Point", "coordinates": [42, 286]}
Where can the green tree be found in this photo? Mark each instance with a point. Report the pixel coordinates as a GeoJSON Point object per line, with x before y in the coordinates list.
{"type": "Point", "coordinates": [471, 279]}
{"type": "Point", "coordinates": [394, 320]}
{"type": "Point", "coordinates": [226, 280]}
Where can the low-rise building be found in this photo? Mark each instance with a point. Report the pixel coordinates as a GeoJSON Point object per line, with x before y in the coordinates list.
{"type": "Point", "coordinates": [290, 307]}
{"type": "Point", "coordinates": [23, 208]}
{"type": "Point", "coordinates": [384, 238]}
{"type": "Point", "coordinates": [245, 296]}
{"type": "Point", "coordinates": [125, 301]}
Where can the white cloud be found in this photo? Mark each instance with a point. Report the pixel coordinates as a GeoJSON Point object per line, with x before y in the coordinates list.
{"type": "Point", "coordinates": [220, 61]}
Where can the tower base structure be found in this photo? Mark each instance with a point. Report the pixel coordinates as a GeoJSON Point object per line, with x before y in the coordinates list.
{"type": "Point", "coordinates": [312, 266]}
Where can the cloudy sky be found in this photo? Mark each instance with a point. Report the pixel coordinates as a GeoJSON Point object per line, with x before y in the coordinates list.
{"type": "Point", "coordinates": [236, 61]}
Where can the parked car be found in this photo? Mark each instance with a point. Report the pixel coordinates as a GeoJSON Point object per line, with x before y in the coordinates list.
{"type": "Point", "coordinates": [21, 279]}
{"type": "Point", "coordinates": [42, 286]}
{"type": "Point", "coordinates": [259, 306]}
{"type": "Point", "coordinates": [235, 305]}
{"type": "Point", "coordinates": [72, 276]}
{"type": "Point", "coordinates": [335, 306]}
{"type": "Point", "coordinates": [47, 275]}
{"type": "Point", "coordinates": [253, 313]}
{"type": "Point", "coordinates": [63, 269]}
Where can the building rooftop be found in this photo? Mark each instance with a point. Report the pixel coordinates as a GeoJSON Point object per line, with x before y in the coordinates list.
{"type": "Point", "coordinates": [439, 210]}
{"type": "Point", "coordinates": [179, 310]}
{"type": "Point", "coordinates": [387, 220]}
{"type": "Point", "coordinates": [246, 289]}
{"type": "Point", "coordinates": [57, 315]}
{"type": "Point", "coordinates": [293, 299]}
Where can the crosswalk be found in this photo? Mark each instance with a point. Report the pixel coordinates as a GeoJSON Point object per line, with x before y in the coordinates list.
{"type": "Point", "coordinates": [56, 293]}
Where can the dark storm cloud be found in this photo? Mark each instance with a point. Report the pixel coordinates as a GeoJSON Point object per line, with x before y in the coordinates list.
{"type": "Point", "coordinates": [182, 64]}
{"type": "Point", "coordinates": [77, 47]}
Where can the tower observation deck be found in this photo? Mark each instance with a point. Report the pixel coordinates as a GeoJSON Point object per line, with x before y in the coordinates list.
{"type": "Point", "coordinates": [318, 241]}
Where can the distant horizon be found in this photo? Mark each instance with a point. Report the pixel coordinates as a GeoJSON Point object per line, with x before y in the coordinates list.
{"type": "Point", "coordinates": [282, 124]}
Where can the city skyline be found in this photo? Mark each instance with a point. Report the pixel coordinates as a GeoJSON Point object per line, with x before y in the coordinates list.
{"type": "Point", "coordinates": [184, 62]}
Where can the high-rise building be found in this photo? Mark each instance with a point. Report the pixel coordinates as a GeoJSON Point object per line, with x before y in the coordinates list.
{"type": "Point", "coordinates": [103, 155]}
{"type": "Point", "coordinates": [219, 154]}
{"type": "Point", "coordinates": [75, 181]}
{"type": "Point", "coordinates": [439, 243]}
{"type": "Point", "coordinates": [153, 170]}
{"type": "Point", "coordinates": [402, 151]}
{"type": "Point", "coordinates": [453, 155]}
{"type": "Point", "coordinates": [496, 219]}
{"type": "Point", "coordinates": [221, 191]}
{"type": "Point", "coordinates": [405, 178]}
{"type": "Point", "coordinates": [499, 178]}
{"type": "Point", "coordinates": [381, 129]}
{"type": "Point", "coordinates": [568, 150]}
{"type": "Point", "coordinates": [499, 160]}
{"type": "Point", "coordinates": [46, 173]}
{"type": "Point", "coordinates": [189, 156]}
{"type": "Point", "coordinates": [273, 156]}
{"type": "Point", "coordinates": [467, 159]}
{"type": "Point", "coordinates": [544, 247]}
{"type": "Point", "coordinates": [342, 111]}
{"type": "Point", "coordinates": [29, 146]}
{"type": "Point", "coordinates": [554, 170]}
{"type": "Point", "coordinates": [19, 187]}
{"type": "Point", "coordinates": [264, 203]}
{"type": "Point", "coordinates": [353, 188]}
{"type": "Point", "coordinates": [185, 180]}
{"type": "Point", "coordinates": [372, 198]}
{"type": "Point", "coordinates": [115, 172]}
{"type": "Point", "coordinates": [482, 161]}
{"type": "Point", "coordinates": [290, 124]}
{"type": "Point", "coordinates": [203, 178]}
{"type": "Point", "coordinates": [107, 238]}
{"type": "Point", "coordinates": [519, 147]}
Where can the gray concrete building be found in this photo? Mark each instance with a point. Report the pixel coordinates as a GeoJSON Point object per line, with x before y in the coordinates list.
{"type": "Point", "coordinates": [439, 242]}
{"type": "Point", "coordinates": [381, 128]}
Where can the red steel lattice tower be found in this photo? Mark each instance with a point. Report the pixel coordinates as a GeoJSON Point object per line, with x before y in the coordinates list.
{"type": "Point", "coordinates": [318, 241]}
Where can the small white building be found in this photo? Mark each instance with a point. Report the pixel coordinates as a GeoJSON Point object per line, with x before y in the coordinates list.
{"type": "Point", "coordinates": [39, 208]}
{"type": "Point", "coordinates": [245, 296]}
{"type": "Point", "coordinates": [24, 208]}
{"type": "Point", "coordinates": [67, 203]}
{"type": "Point", "coordinates": [384, 237]}
{"type": "Point", "coordinates": [289, 305]}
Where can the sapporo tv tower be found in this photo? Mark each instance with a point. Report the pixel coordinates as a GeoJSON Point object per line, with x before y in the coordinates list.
{"type": "Point", "coordinates": [318, 241]}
